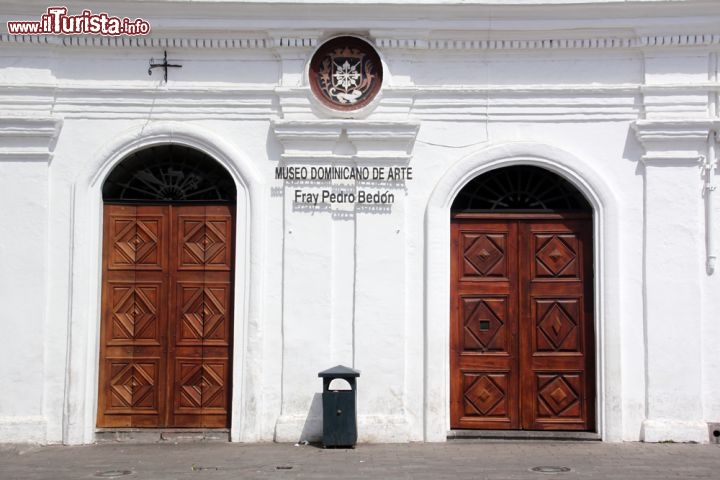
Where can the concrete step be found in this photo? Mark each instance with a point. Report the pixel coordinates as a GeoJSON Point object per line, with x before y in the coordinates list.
{"type": "Point", "coordinates": [521, 435]}
{"type": "Point", "coordinates": [160, 435]}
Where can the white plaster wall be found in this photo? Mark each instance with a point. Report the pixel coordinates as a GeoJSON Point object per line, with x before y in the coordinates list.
{"type": "Point", "coordinates": [673, 300]}
{"type": "Point", "coordinates": [710, 328]}
{"type": "Point", "coordinates": [23, 290]}
{"type": "Point", "coordinates": [346, 285]}
{"type": "Point", "coordinates": [710, 339]}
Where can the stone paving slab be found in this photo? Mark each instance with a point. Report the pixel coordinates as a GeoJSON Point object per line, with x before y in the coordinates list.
{"type": "Point", "coordinates": [459, 459]}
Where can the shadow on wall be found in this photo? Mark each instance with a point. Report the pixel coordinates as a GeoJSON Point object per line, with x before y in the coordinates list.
{"type": "Point", "coordinates": [312, 429]}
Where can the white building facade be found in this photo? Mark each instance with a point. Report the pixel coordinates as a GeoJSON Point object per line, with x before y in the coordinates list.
{"type": "Point", "coordinates": [458, 318]}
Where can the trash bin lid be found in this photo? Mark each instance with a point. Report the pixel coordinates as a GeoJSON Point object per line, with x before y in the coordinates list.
{"type": "Point", "coordinates": [339, 371]}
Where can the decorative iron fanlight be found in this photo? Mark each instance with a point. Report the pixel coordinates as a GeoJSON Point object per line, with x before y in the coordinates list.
{"type": "Point", "coordinates": [169, 174]}
{"type": "Point", "coordinates": [520, 188]}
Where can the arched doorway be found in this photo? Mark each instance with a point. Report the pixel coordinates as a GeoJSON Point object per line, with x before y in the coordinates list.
{"type": "Point", "coordinates": [167, 290]}
{"type": "Point", "coordinates": [522, 347]}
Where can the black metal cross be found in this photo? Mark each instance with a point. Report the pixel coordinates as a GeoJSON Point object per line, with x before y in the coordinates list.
{"type": "Point", "coordinates": [163, 65]}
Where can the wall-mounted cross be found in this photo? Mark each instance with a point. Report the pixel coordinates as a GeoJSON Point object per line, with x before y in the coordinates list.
{"type": "Point", "coordinates": [164, 65]}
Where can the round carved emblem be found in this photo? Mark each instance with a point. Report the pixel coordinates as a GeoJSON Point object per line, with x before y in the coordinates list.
{"type": "Point", "coordinates": [346, 73]}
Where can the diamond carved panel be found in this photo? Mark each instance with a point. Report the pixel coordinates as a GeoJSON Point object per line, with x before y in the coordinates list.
{"type": "Point", "coordinates": [200, 385]}
{"type": "Point", "coordinates": [559, 395]}
{"type": "Point", "coordinates": [203, 315]}
{"type": "Point", "coordinates": [556, 256]}
{"type": "Point", "coordinates": [216, 251]}
{"type": "Point", "coordinates": [135, 243]}
{"type": "Point", "coordinates": [485, 394]}
{"type": "Point", "coordinates": [484, 324]}
{"type": "Point", "coordinates": [204, 243]}
{"type": "Point", "coordinates": [484, 255]}
{"type": "Point", "coordinates": [134, 317]}
{"type": "Point", "coordinates": [558, 326]}
{"type": "Point", "coordinates": [133, 385]}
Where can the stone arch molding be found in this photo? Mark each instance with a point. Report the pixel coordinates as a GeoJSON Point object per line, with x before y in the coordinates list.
{"type": "Point", "coordinates": [437, 277]}
{"type": "Point", "coordinates": [80, 401]}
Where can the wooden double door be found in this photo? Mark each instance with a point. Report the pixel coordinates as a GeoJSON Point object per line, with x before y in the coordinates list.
{"type": "Point", "coordinates": [165, 351]}
{"type": "Point", "coordinates": [522, 342]}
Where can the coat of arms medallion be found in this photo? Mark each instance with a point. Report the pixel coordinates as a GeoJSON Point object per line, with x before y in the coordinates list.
{"type": "Point", "coordinates": [346, 73]}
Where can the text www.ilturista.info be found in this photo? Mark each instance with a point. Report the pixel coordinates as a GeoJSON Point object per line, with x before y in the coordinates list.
{"type": "Point", "coordinates": [57, 22]}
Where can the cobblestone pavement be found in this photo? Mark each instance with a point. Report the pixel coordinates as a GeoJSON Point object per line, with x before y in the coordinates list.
{"type": "Point", "coordinates": [459, 459]}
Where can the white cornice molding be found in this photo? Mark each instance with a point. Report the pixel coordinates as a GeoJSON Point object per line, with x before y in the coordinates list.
{"type": "Point", "coordinates": [228, 101]}
{"type": "Point", "coordinates": [345, 140]}
{"type": "Point", "coordinates": [676, 140]}
{"type": "Point", "coordinates": [396, 41]}
{"type": "Point", "coordinates": [254, 41]}
{"type": "Point", "coordinates": [400, 42]}
{"type": "Point", "coordinates": [145, 42]}
{"type": "Point", "coordinates": [30, 139]}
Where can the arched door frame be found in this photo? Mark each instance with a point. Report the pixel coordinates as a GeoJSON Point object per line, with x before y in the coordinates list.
{"type": "Point", "coordinates": [80, 400]}
{"type": "Point", "coordinates": [437, 278]}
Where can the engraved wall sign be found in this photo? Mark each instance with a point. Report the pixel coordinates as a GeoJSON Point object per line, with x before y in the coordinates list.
{"type": "Point", "coordinates": [346, 73]}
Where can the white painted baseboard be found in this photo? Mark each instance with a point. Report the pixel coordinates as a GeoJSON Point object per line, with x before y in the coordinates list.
{"type": "Point", "coordinates": [675, 431]}
{"type": "Point", "coordinates": [30, 429]}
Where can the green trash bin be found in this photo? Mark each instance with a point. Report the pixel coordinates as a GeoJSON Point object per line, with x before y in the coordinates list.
{"type": "Point", "coordinates": [339, 408]}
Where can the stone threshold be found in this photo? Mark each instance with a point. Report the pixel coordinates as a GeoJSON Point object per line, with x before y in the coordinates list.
{"type": "Point", "coordinates": [522, 435]}
{"type": "Point", "coordinates": [161, 435]}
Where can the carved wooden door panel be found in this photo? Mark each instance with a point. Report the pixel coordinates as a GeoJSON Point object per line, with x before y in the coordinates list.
{"type": "Point", "coordinates": [484, 350]}
{"type": "Point", "coordinates": [134, 316]}
{"type": "Point", "coordinates": [166, 310]}
{"type": "Point", "coordinates": [521, 339]}
{"type": "Point", "coordinates": [557, 349]}
{"type": "Point", "coordinates": [200, 332]}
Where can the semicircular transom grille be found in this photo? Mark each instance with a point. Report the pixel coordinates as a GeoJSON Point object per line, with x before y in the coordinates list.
{"type": "Point", "coordinates": [520, 188]}
{"type": "Point", "coordinates": [169, 173]}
